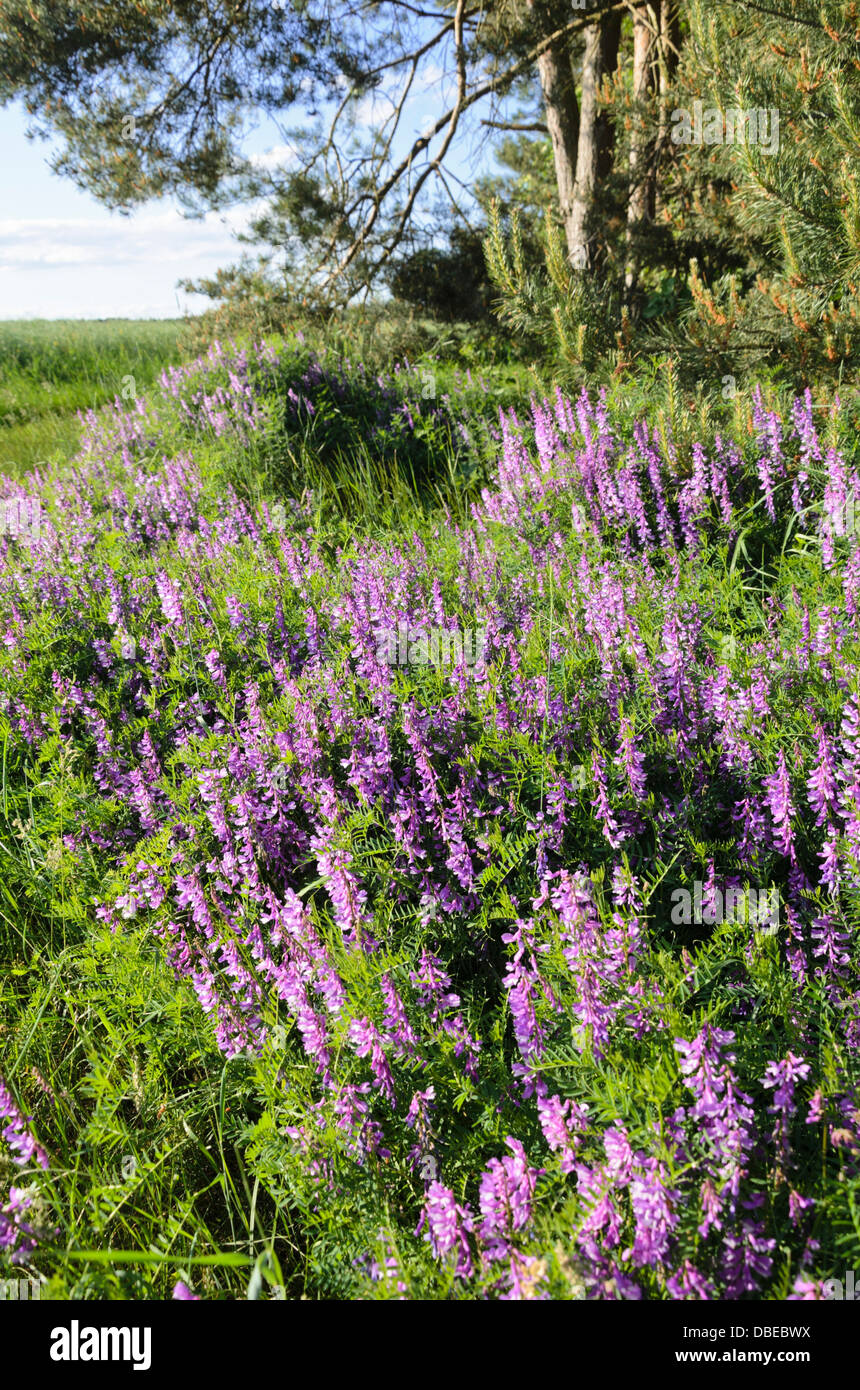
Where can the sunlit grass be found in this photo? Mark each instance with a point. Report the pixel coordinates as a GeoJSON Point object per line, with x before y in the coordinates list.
{"type": "Point", "coordinates": [51, 369]}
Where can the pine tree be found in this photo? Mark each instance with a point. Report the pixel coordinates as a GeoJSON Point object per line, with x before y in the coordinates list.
{"type": "Point", "coordinates": [785, 191]}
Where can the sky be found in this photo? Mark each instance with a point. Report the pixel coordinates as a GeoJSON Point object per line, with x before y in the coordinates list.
{"type": "Point", "coordinates": [64, 255]}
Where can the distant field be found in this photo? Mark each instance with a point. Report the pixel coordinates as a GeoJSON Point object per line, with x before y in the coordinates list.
{"type": "Point", "coordinates": [52, 368]}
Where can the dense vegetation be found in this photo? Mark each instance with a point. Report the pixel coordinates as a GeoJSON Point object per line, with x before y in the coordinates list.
{"type": "Point", "coordinates": [330, 976]}
{"type": "Point", "coordinates": [430, 680]}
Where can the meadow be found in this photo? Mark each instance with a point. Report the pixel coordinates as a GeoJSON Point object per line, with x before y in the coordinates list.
{"type": "Point", "coordinates": [334, 968]}
{"type": "Point", "coordinates": [51, 369]}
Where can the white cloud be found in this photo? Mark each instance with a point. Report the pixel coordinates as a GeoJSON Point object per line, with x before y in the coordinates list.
{"type": "Point", "coordinates": [429, 75]}
{"type": "Point", "coordinates": [109, 265]}
{"type": "Point", "coordinates": [371, 110]}
{"type": "Point", "coordinates": [65, 242]}
{"type": "Point", "coordinates": [278, 157]}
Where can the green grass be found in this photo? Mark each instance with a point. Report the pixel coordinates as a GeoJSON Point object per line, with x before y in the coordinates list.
{"type": "Point", "coordinates": [52, 368]}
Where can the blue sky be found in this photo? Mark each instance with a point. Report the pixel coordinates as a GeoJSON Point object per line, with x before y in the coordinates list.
{"type": "Point", "coordinates": [63, 255]}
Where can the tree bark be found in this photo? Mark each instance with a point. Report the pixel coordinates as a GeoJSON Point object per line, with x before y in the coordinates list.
{"type": "Point", "coordinates": [646, 37]}
{"type": "Point", "coordinates": [562, 118]}
{"type": "Point", "coordinates": [596, 136]}
{"type": "Point", "coordinates": [668, 53]}
{"type": "Point", "coordinates": [558, 89]}
{"type": "Point", "coordinates": [641, 197]}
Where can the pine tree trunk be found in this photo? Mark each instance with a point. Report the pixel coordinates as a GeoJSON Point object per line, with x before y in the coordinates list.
{"type": "Point", "coordinates": [667, 62]}
{"type": "Point", "coordinates": [641, 200]}
{"type": "Point", "coordinates": [594, 149]}
{"type": "Point", "coordinates": [646, 35]}
{"type": "Point", "coordinates": [562, 118]}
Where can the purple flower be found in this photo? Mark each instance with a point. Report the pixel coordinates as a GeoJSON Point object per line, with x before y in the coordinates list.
{"type": "Point", "coordinates": [563, 1124]}
{"type": "Point", "coordinates": [688, 1283]}
{"type": "Point", "coordinates": [770, 465]}
{"type": "Point", "coordinates": [746, 1259]}
{"type": "Point", "coordinates": [366, 1040]}
{"type": "Point", "coordinates": [822, 781]}
{"type": "Point", "coordinates": [816, 1108]}
{"type": "Point", "coordinates": [396, 1021]}
{"type": "Point", "coordinates": [526, 1278]}
{"type": "Point", "coordinates": [781, 1077]}
{"type": "Point", "coordinates": [632, 761]}
{"type": "Point", "coordinates": [182, 1291]}
{"type": "Point", "coordinates": [215, 667]}
{"type": "Point", "coordinates": [18, 1239]}
{"type": "Point", "coordinates": [779, 802]}
{"type": "Point", "coordinates": [17, 1136]}
{"type": "Point", "coordinates": [724, 1112]}
{"type": "Point", "coordinates": [830, 946]}
{"type": "Point", "coordinates": [448, 1226]}
{"type": "Point", "coordinates": [507, 1188]}
{"type": "Point", "coordinates": [804, 1289]}
{"type": "Point", "coordinates": [171, 604]}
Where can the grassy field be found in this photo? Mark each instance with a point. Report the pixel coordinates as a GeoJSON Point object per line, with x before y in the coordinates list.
{"type": "Point", "coordinates": [51, 369]}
